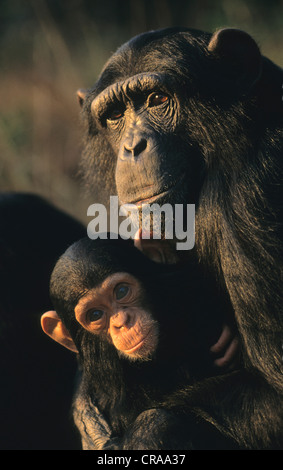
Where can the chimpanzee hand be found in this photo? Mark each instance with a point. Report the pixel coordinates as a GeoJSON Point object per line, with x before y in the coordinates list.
{"type": "Point", "coordinates": [149, 431]}
{"type": "Point", "coordinates": [226, 349]}
{"type": "Point", "coordinates": [145, 433]}
{"type": "Point", "coordinates": [94, 430]}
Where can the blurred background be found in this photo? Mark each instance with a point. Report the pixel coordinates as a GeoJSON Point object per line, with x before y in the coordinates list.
{"type": "Point", "coordinates": [50, 48]}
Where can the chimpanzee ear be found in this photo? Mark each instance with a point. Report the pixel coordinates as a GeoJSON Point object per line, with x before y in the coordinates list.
{"type": "Point", "coordinates": [239, 54]}
{"type": "Point", "coordinates": [53, 327]}
{"type": "Point", "coordinates": [81, 94]}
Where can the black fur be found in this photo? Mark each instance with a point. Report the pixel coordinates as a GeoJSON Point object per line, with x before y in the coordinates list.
{"type": "Point", "coordinates": [190, 315]}
{"type": "Point", "coordinates": [228, 136]}
{"type": "Point", "coordinates": [176, 400]}
{"type": "Point", "coordinates": [238, 138]}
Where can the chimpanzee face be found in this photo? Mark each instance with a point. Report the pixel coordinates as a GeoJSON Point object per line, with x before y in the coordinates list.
{"type": "Point", "coordinates": [116, 310]}
{"type": "Point", "coordinates": [140, 118]}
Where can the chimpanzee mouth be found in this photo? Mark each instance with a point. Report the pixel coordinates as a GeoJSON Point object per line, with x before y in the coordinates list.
{"type": "Point", "coordinates": [145, 348]}
{"type": "Point", "coordinates": [160, 195]}
{"type": "Point", "coordinates": [151, 199]}
{"type": "Point", "coordinates": [136, 347]}
{"type": "Point", "coordinates": [140, 344]}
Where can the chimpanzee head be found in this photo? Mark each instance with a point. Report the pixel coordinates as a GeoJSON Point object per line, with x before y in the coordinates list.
{"type": "Point", "coordinates": [100, 286]}
{"type": "Point", "coordinates": [112, 302]}
{"type": "Point", "coordinates": [166, 104]}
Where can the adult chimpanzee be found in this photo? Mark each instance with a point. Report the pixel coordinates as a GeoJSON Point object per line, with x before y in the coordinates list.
{"type": "Point", "coordinates": [143, 332]}
{"type": "Point", "coordinates": [183, 116]}
{"type": "Point", "coordinates": [33, 234]}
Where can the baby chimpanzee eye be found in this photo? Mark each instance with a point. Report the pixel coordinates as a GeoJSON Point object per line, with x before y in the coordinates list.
{"type": "Point", "coordinates": [121, 291]}
{"type": "Point", "coordinates": [94, 315]}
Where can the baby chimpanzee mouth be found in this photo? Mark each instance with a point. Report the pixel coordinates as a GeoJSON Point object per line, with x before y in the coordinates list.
{"type": "Point", "coordinates": [136, 347]}
{"type": "Point", "coordinates": [144, 348]}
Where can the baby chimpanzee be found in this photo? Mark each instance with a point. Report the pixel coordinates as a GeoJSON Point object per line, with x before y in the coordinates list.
{"type": "Point", "coordinates": [143, 331]}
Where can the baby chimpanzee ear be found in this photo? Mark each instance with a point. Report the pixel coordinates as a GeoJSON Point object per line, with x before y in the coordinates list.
{"type": "Point", "coordinates": [53, 327]}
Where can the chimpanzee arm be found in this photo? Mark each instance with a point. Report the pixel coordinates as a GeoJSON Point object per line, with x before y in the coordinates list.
{"type": "Point", "coordinates": [153, 429]}
{"type": "Point", "coordinates": [161, 429]}
{"type": "Point", "coordinates": [158, 429]}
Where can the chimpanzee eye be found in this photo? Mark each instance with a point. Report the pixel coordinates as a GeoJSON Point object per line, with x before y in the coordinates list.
{"type": "Point", "coordinates": [156, 99]}
{"type": "Point", "coordinates": [94, 315]}
{"type": "Point", "coordinates": [115, 114]}
{"type": "Point", "coordinates": [121, 292]}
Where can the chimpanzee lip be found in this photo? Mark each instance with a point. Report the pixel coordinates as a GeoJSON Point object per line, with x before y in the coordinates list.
{"type": "Point", "coordinates": [149, 200]}
{"type": "Point", "coordinates": [152, 198]}
{"type": "Point", "coordinates": [137, 346]}
{"type": "Point", "coordinates": [139, 202]}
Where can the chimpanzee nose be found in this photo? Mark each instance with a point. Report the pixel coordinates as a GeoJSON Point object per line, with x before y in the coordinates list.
{"type": "Point", "coordinates": [120, 319]}
{"type": "Point", "coordinates": [136, 148]}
